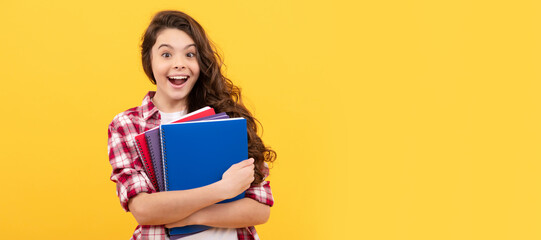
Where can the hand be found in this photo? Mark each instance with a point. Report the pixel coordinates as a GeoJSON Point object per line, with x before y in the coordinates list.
{"type": "Point", "coordinates": [238, 178]}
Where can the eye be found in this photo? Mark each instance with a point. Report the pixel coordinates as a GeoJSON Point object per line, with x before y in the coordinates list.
{"type": "Point", "coordinates": [191, 54]}
{"type": "Point", "coordinates": [166, 55]}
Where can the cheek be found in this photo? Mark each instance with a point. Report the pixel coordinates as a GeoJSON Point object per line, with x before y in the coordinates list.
{"type": "Point", "coordinates": [157, 68]}
{"type": "Point", "coordinates": [195, 68]}
{"type": "Point", "coordinates": [159, 75]}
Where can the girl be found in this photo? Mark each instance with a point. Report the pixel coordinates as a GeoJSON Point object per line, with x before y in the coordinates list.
{"type": "Point", "coordinates": [180, 60]}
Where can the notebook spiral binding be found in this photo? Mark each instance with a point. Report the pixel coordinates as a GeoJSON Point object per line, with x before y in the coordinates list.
{"type": "Point", "coordinates": [145, 164]}
{"type": "Point", "coordinates": [152, 155]}
{"type": "Point", "coordinates": [164, 157]}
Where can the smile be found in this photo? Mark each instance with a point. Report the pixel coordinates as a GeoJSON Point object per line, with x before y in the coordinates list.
{"type": "Point", "coordinates": [178, 81]}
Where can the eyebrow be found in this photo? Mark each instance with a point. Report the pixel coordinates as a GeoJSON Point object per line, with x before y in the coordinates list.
{"type": "Point", "coordinates": [169, 46]}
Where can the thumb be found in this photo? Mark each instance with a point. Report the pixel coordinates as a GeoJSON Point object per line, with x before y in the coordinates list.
{"type": "Point", "coordinates": [246, 162]}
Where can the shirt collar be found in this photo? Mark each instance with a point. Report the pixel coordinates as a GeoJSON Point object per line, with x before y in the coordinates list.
{"type": "Point", "coordinates": [148, 107]}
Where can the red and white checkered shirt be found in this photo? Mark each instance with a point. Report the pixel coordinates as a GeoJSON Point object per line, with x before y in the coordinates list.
{"type": "Point", "coordinates": [131, 178]}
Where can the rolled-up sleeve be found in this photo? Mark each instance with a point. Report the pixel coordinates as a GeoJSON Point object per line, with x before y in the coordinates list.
{"type": "Point", "coordinates": [261, 193]}
{"type": "Point", "coordinates": [128, 173]}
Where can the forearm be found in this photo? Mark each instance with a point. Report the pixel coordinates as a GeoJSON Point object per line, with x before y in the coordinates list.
{"type": "Point", "coordinates": [241, 213]}
{"type": "Point", "coordinates": [166, 207]}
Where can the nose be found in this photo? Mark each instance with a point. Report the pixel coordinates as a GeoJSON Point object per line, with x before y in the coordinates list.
{"type": "Point", "coordinates": [179, 63]}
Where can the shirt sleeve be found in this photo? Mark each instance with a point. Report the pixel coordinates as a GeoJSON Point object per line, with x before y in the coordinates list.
{"type": "Point", "coordinates": [262, 192]}
{"type": "Point", "coordinates": [128, 173]}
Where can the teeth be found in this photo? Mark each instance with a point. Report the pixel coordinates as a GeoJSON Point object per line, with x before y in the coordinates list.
{"type": "Point", "coordinates": [179, 77]}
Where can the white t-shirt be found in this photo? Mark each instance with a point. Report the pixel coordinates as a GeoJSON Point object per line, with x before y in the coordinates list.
{"type": "Point", "coordinates": [169, 117]}
{"type": "Point", "coordinates": [213, 233]}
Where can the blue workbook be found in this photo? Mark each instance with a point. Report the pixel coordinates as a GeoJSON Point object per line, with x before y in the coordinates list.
{"type": "Point", "coordinates": [196, 154]}
{"type": "Point", "coordinates": [155, 149]}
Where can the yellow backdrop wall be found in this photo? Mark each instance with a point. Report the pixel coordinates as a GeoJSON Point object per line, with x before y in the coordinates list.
{"type": "Point", "coordinates": [391, 119]}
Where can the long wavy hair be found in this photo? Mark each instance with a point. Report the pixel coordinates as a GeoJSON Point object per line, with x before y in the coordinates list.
{"type": "Point", "coordinates": [212, 88]}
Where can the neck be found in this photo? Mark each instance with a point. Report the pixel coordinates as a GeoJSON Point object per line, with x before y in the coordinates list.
{"type": "Point", "coordinates": [169, 105]}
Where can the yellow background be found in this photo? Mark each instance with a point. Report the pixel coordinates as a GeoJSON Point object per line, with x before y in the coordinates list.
{"type": "Point", "coordinates": [391, 119]}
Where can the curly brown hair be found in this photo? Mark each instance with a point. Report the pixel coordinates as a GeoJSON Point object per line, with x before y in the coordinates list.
{"type": "Point", "coordinates": [212, 88]}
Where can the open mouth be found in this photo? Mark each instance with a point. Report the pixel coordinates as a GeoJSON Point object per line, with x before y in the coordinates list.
{"type": "Point", "coordinates": [178, 80]}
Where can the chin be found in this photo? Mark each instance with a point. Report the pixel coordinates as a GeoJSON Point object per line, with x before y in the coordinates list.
{"type": "Point", "coordinates": [180, 95]}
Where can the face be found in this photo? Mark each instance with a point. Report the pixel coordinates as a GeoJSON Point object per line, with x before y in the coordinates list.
{"type": "Point", "coordinates": [175, 67]}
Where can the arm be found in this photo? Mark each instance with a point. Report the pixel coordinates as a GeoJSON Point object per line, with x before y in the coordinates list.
{"type": "Point", "coordinates": [238, 214]}
{"type": "Point", "coordinates": [137, 194]}
{"type": "Point", "coordinates": [242, 213]}
{"type": "Point", "coordinates": [166, 207]}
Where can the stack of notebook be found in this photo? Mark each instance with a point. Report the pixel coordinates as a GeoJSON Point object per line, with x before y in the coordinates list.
{"type": "Point", "coordinates": [193, 152]}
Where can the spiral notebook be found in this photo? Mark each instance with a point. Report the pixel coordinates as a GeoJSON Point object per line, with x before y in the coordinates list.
{"type": "Point", "coordinates": [196, 154]}
{"type": "Point", "coordinates": [144, 151]}
{"type": "Point", "coordinates": [144, 154]}
{"type": "Point", "coordinates": [154, 146]}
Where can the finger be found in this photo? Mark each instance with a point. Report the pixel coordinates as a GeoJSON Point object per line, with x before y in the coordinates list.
{"type": "Point", "coordinates": [245, 163]}
{"type": "Point", "coordinates": [249, 161]}
{"type": "Point", "coordinates": [240, 164]}
{"type": "Point", "coordinates": [249, 168]}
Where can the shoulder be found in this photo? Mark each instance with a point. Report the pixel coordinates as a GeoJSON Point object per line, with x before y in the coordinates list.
{"type": "Point", "coordinates": [135, 120]}
{"type": "Point", "coordinates": [132, 116]}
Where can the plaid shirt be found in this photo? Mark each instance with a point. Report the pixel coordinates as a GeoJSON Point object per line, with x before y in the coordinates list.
{"type": "Point", "coordinates": [131, 178]}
